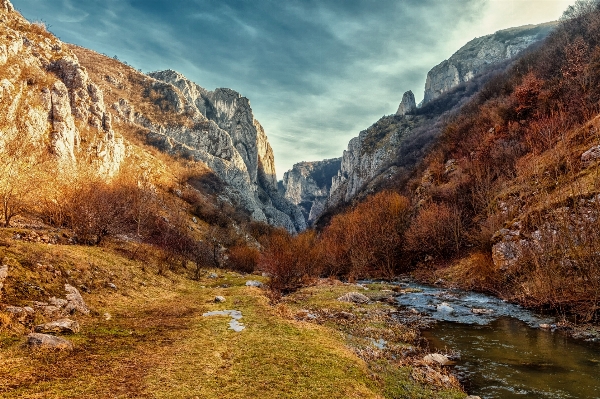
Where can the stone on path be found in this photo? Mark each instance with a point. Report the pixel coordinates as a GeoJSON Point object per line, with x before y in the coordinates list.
{"type": "Point", "coordinates": [76, 302]}
{"type": "Point", "coordinates": [46, 341]}
{"type": "Point", "coordinates": [62, 326]}
{"type": "Point", "coordinates": [235, 315]}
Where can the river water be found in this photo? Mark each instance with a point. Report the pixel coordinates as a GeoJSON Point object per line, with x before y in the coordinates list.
{"type": "Point", "coordinates": [503, 352]}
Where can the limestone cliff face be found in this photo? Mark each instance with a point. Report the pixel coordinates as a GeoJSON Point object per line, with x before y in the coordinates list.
{"type": "Point", "coordinates": [408, 104]}
{"type": "Point", "coordinates": [224, 134]}
{"type": "Point", "coordinates": [374, 156]}
{"type": "Point", "coordinates": [370, 155]}
{"type": "Point", "coordinates": [479, 54]}
{"type": "Point", "coordinates": [307, 185]}
{"type": "Point", "coordinates": [46, 96]}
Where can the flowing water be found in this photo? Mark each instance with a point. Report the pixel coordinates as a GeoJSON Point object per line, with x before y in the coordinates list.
{"type": "Point", "coordinates": [503, 352]}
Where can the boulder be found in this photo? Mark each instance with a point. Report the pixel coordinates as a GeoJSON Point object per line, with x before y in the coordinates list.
{"type": "Point", "coordinates": [590, 155]}
{"type": "Point", "coordinates": [46, 341]}
{"type": "Point", "coordinates": [75, 301]}
{"type": "Point", "coordinates": [3, 275]}
{"type": "Point", "coordinates": [253, 283]}
{"type": "Point", "coordinates": [219, 299]}
{"type": "Point", "coordinates": [62, 326]}
{"type": "Point", "coordinates": [354, 297]}
{"type": "Point", "coordinates": [437, 358]}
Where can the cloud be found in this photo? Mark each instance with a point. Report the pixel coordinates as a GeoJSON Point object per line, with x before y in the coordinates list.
{"type": "Point", "coordinates": [317, 72]}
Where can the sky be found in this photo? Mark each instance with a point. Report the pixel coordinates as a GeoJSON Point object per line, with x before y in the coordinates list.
{"type": "Point", "coordinates": [317, 72]}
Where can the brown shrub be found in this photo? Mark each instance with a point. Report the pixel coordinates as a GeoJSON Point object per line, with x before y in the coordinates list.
{"type": "Point", "coordinates": [242, 258]}
{"type": "Point", "coordinates": [291, 260]}
{"type": "Point", "coordinates": [367, 241]}
{"type": "Point", "coordinates": [437, 231]}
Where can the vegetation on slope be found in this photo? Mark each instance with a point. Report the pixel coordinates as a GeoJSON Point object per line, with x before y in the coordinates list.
{"type": "Point", "coordinates": [509, 196]}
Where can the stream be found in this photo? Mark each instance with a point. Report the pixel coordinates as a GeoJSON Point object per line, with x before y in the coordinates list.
{"type": "Point", "coordinates": [503, 352]}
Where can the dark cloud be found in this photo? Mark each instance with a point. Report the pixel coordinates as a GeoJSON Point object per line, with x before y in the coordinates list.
{"type": "Point", "coordinates": [316, 71]}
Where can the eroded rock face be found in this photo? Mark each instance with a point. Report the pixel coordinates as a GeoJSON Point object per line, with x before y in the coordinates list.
{"type": "Point", "coordinates": [229, 140]}
{"type": "Point", "coordinates": [5, 5]}
{"type": "Point", "coordinates": [479, 54]}
{"type": "Point", "coordinates": [408, 104]}
{"type": "Point", "coordinates": [54, 101]}
{"type": "Point", "coordinates": [307, 185]}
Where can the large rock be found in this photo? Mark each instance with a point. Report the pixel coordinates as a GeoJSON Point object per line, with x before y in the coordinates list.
{"type": "Point", "coordinates": [46, 341]}
{"type": "Point", "coordinates": [354, 297]}
{"type": "Point", "coordinates": [437, 358]}
{"type": "Point", "coordinates": [76, 302]}
{"type": "Point", "coordinates": [62, 326]}
{"type": "Point", "coordinates": [408, 104]}
{"type": "Point", "coordinates": [591, 155]}
{"type": "Point", "coordinates": [479, 54]}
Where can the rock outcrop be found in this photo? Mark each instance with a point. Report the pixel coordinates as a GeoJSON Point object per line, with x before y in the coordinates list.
{"type": "Point", "coordinates": [370, 155]}
{"type": "Point", "coordinates": [307, 185]}
{"type": "Point", "coordinates": [46, 96]}
{"type": "Point", "coordinates": [479, 54]}
{"type": "Point", "coordinates": [376, 154]}
{"type": "Point", "coordinates": [224, 135]}
{"type": "Point", "coordinates": [408, 104]}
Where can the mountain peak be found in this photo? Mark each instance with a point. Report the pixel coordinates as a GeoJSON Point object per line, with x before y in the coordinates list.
{"type": "Point", "coordinates": [408, 104]}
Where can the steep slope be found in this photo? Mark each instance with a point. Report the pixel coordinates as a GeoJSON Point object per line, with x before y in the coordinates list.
{"type": "Point", "coordinates": [391, 147]}
{"type": "Point", "coordinates": [307, 185]}
{"type": "Point", "coordinates": [478, 54]}
{"type": "Point", "coordinates": [48, 100]}
{"type": "Point", "coordinates": [64, 99]}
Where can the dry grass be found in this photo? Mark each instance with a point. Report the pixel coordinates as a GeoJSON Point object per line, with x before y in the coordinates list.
{"type": "Point", "coordinates": [158, 344]}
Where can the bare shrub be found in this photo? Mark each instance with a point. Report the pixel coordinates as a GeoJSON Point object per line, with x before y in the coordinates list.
{"type": "Point", "coordinates": [436, 230]}
{"type": "Point", "coordinates": [242, 258]}
{"type": "Point", "coordinates": [290, 260]}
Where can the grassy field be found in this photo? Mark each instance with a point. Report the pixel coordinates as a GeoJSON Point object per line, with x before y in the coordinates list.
{"type": "Point", "coordinates": [149, 339]}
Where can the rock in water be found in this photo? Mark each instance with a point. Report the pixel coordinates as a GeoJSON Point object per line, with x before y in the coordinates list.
{"type": "Point", "coordinates": [76, 302]}
{"type": "Point", "coordinates": [444, 307]}
{"type": "Point", "coordinates": [46, 341]}
{"type": "Point", "coordinates": [408, 104]}
{"type": "Point", "coordinates": [62, 326]}
{"type": "Point", "coordinates": [354, 297]}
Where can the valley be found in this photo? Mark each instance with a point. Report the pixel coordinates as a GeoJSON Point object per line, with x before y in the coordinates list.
{"type": "Point", "coordinates": [147, 248]}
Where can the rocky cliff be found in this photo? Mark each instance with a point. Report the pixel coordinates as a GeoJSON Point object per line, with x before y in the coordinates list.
{"type": "Point", "coordinates": [480, 53]}
{"type": "Point", "coordinates": [79, 111]}
{"type": "Point", "coordinates": [308, 184]}
{"type": "Point", "coordinates": [376, 155]}
{"type": "Point", "coordinates": [224, 134]}
{"type": "Point", "coordinates": [48, 100]}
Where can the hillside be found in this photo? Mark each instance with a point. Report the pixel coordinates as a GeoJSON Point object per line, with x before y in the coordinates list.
{"type": "Point", "coordinates": [388, 150]}
{"type": "Point", "coordinates": [505, 199]}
